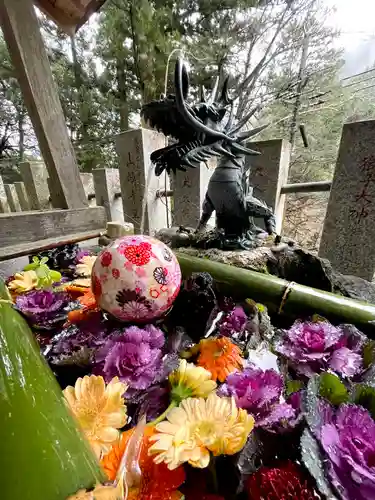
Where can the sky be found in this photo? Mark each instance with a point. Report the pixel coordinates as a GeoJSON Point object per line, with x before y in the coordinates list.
{"type": "Point", "coordinates": [355, 20]}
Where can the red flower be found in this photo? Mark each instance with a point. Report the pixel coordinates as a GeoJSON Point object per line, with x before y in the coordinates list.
{"type": "Point", "coordinates": [277, 483]}
{"type": "Point", "coordinates": [139, 255]}
{"type": "Point", "coordinates": [106, 259]}
{"type": "Point", "coordinates": [116, 273]}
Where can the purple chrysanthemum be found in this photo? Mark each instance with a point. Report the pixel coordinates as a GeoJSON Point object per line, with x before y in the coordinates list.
{"type": "Point", "coordinates": [135, 356]}
{"type": "Point", "coordinates": [314, 347]}
{"type": "Point", "coordinates": [259, 393]}
{"type": "Point", "coordinates": [348, 438]}
{"type": "Point", "coordinates": [43, 307]}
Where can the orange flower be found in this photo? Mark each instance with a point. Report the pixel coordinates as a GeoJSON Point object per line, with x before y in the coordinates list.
{"type": "Point", "coordinates": [157, 481]}
{"type": "Point", "coordinates": [88, 301]}
{"type": "Point", "coordinates": [219, 356]}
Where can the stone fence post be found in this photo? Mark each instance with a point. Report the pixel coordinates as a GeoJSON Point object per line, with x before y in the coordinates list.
{"type": "Point", "coordinates": [189, 189]}
{"type": "Point", "coordinates": [34, 176]}
{"type": "Point", "coordinates": [349, 228]}
{"type": "Point", "coordinates": [268, 173]}
{"type": "Point", "coordinates": [11, 194]}
{"type": "Point", "coordinates": [108, 192]}
{"type": "Point", "coordinates": [4, 206]}
{"type": "Point", "coordinates": [139, 184]}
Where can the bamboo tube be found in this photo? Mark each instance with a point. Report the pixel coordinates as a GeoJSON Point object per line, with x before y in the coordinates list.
{"type": "Point", "coordinates": [43, 454]}
{"type": "Point", "coordinates": [281, 296]}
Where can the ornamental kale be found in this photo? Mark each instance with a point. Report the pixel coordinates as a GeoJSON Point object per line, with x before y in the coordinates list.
{"type": "Point", "coordinates": [260, 393]}
{"type": "Point", "coordinates": [348, 440]}
{"type": "Point", "coordinates": [135, 356]}
{"type": "Point", "coordinates": [43, 308]}
{"type": "Point", "coordinates": [314, 347]}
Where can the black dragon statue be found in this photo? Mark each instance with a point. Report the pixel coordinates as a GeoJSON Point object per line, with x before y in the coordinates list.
{"type": "Point", "coordinates": [202, 131]}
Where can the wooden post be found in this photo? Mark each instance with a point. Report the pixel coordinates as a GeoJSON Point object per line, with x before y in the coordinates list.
{"type": "Point", "coordinates": [21, 32]}
{"type": "Point", "coordinates": [22, 196]}
{"type": "Point", "coordinates": [34, 176]}
{"type": "Point", "coordinates": [12, 198]}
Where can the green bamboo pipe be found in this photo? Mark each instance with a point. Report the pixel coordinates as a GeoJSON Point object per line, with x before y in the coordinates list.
{"type": "Point", "coordinates": [277, 294]}
{"type": "Point", "coordinates": [42, 453]}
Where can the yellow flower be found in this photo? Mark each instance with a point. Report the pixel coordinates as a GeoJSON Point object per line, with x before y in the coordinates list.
{"type": "Point", "coordinates": [100, 493]}
{"type": "Point", "coordinates": [84, 268]}
{"type": "Point", "coordinates": [23, 282]}
{"type": "Point", "coordinates": [200, 426]}
{"type": "Point", "coordinates": [190, 381]}
{"type": "Point", "coordinates": [99, 409]}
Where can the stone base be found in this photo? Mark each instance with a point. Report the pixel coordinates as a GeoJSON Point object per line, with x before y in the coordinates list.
{"type": "Point", "coordinates": [284, 260]}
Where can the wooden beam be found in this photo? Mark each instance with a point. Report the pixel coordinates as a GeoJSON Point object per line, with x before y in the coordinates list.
{"type": "Point", "coordinates": [21, 32]}
{"type": "Point", "coordinates": [26, 232]}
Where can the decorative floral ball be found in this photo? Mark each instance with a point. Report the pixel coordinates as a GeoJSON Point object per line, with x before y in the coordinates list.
{"type": "Point", "coordinates": [136, 278]}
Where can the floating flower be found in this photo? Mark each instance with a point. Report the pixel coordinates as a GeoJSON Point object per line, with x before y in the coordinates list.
{"type": "Point", "coordinates": [348, 439]}
{"type": "Point", "coordinates": [43, 307]}
{"type": "Point", "coordinates": [84, 268]}
{"type": "Point", "coordinates": [200, 426]}
{"type": "Point", "coordinates": [233, 323]}
{"type": "Point", "coordinates": [278, 483]}
{"type": "Point", "coordinates": [220, 356]}
{"type": "Point", "coordinates": [24, 282]}
{"type": "Point", "coordinates": [190, 381]}
{"type": "Point", "coordinates": [134, 356]}
{"type": "Point", "coordinates": [89, 306]}
{"type": "Point", "coordinates": [157, 482]}
{"type": "Point", "coordinates": [99, 409]}
{"type": "Point", "coordinates": [314, 347]}
{"type": "Point", "coordinates": [259, 393]}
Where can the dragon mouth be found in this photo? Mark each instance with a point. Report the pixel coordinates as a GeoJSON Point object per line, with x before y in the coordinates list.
{"type": "Point", "coordinates": [198, 132]}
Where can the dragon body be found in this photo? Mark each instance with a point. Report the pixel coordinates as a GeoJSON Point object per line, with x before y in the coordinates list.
{"type": "Point", "coordinates": [203, 131]}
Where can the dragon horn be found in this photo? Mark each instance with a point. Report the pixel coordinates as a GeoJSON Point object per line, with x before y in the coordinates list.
{"type": "Point", "coordinates": [241, 149]}
{"type": "Point", "coordinates": [243, 136]}
{"type": "Point", "coordinates": [189, 119]}
{"type": "Point", "coordinates": [214, 91]}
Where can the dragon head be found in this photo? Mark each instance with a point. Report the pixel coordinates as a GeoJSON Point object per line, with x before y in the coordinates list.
{"type": "Point", "coordinates": [201, 131]}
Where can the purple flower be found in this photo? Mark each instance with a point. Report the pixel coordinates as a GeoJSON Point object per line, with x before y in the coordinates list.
{"type": "Point", "coordinates": [348, 439]}
{"type": "Point", "coordinates": [135, 356]}
{"type": "Point", "coordinates": [43, 307]}
{"type": "Point", "coordinates": [233, 323]}
{"type": "Point", "coordinates": [314, 347]}
{"type": "Point", "coordinates": [259, 393]}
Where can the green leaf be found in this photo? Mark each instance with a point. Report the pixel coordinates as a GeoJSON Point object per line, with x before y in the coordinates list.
{"type": "Point", "coordinates": [332, 389]}
{"type": "Point", "coordinates": [369, 353]}
{"type": "Point", "coordinates": [55, 275]}
{"type": "Point", "coordinates": [293, 386]}
{"type": "Point", "coordinates": [30, 267]}
{"type": "Point", "coordinates": [364, 395]}
{"type": "Point", "coordinates": [43, 260]}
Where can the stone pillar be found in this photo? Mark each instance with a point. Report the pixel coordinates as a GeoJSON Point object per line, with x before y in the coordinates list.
{"type": "Point", "coordinates": [107, 191]}
{"type": "Point", "coordinates": [4, 206]}
{"type": "Point", "coordinates": [349, 227]}
{"type": "Point", "coordinates": [88, 186]}
{"type": "Point", "coordinates": [189, 190]}
{"type": "Point", "coordinates": [139, 184]}
{"type": "Point", "coordinates": [269, 172]}
{"type": "Point", "coordinates": [34, 176]}
{"type": "Point", "coordinates": [12, 197]}
{"type": "Point", "coordinates": [22, 196]}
